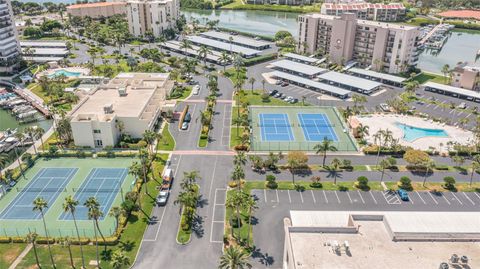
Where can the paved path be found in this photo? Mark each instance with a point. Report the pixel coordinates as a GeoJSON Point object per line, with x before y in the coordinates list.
{"type": "Point", "coordinates": [20, 257]}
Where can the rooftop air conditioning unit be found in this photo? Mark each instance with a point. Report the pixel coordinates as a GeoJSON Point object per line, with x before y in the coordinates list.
{"type": "Point", "coordinates": [122, 91]}
{"type": "Point", "coordinates": [108, 109]}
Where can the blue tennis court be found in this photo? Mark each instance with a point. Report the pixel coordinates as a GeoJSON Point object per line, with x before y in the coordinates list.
{"type": "Point", "coordinates": [48, 183]}
{"type": "Point", "coordinates": [101, 183]}
{"type": "Point", "coordinates": [275, 127]}
{"type": "Point", "coordinates": [316, 127]}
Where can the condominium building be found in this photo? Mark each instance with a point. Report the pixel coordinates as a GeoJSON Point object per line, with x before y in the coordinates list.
{"type": "Point", "coordinates": [9, 45]}
{"type": "Point", "coordinates": [97, 10]}
{"type": "Point", "coordinates": [383, 46]}
{"type": "Point", "coordinates": [133, 101]}
{"type": "Point", "coordinates": [154, 16]}
{"type": "Point", "coordinates": [367, 11]}
{"type": "Point", "coordinates": [467, 76]}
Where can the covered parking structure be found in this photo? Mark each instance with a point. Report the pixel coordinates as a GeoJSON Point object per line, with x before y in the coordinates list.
{"type": "Point", "coordinates": [298, 69]}
{"type": "Point", "coordinates": [237, 40]}
{"type": "Point", "coordinates": [312, 85]}
{"type": "Point", "coordinates": [193, 52]}
{"type": "Point", "coordinates": [452, 91]}
{"type": "Point", "coordinates": [302, 59]}
{"type": "Point", "coordinates": [377, 76]}
{"type": "Point", "coordinates": [350, 82]}
{"type": "Point", "coordinates": [223, 46]}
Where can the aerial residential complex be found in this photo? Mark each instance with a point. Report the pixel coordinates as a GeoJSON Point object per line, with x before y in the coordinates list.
{"type": "Point", "coordinates": [367, 11]}
{"type": "Point", "coordinates": [383, 46]}
{"type": "Point", "coordinates": [9, 46]}
{"type": "Point", "coordinates": [466, 75]}
{"type": "Point", "coordinates": [97, 10]}
{"type": "Point", "coordinates": [134, 99]}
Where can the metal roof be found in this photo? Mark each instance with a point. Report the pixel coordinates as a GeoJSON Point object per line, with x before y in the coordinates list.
{"type": "Point", "coordinates": [299, 67]}
{"type": "Point", "coordinates": [359, 83]}
{"type": "Point", "coordinates": [176, 45]}
{"type": "Point", "coordinates": [42, 59]}
{"type": "Point", "coordinates": [236, 39]}
{"type": "Point", "coordinates": [301, 57]}
{"type": "Point", "coordinates": [47, 51]}
{"type": "Point", "coordinates": [311, 83]}
{"type": "Point", "coordinates": [223, 45]}
{"type": "Point", "coordinates": [378, 75]}
{"type": "Point", "coordinates": [452, 89]}
{"type": "Point", "coordinates": [54, 44]}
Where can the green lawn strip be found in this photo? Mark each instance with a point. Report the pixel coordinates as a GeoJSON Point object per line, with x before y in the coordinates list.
{"type": "Point", "coordinates": [425, 76]}
{"type": "Point", "coordinates": [437, 186]}
{"type": "Point", "coordinates": [202, 141]}
{"type": "Point", "coordinates": [186, 93]}
{"type": "Point", "coordinates": [243, 229]}
{"type": "Point", "coordinates": [234, 139]}
{"type": "Point", "coordinates": [167, 142]}
{"type": "Point", "coordinates": [130, 238]}
{"type": "Point", "coordinates": [183, 235]}
{"type": "Point", "coordinates": [326, 185]}
{"type": "Point", "coordinates": [9, 252]}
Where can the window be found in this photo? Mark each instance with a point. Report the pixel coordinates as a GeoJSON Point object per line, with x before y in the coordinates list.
{"type": "Point", "coordinates": [97, 131]}
{"type": "Point", "coordinates": [98, 143]}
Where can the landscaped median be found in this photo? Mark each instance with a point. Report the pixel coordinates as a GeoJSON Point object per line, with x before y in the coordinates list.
{"type": "Point", "coordinates": [188, 199]}
{"type": "Point", "coordinates": [186, 221]}
{"type": "Point", "coordinates": [167, 142]}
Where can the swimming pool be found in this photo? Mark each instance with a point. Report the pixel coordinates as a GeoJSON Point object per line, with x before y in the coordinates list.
{"type": "Point", "coordinates": [65, 73]}
{"type": "Point", "coordinates": [411, 133]}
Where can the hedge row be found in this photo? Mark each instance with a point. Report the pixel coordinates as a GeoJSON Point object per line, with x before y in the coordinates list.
{"type": "Point", "coordinates": [113, 154]}
{"type": "Point", "coordinates": [260, 59]}
{"type": "Point", "coordinates": [264, 37]}
{"type": "Point", "coordinates": [109, 241]}
{"type": "Point", "coordinates": [66, 153]}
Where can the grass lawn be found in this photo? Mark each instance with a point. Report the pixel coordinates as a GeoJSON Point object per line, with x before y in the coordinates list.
{"type": "Point", "coordinates": [167, 142]}
{"type": "Point", "coordinates": [239, 5]}
{"type": "Point", "coordinates": [37, 90]}
{"type": "Point", "coordinates": [244, 227]}
{"type": "Point", "coordinates": [234, 139]}
{"type": "Point", "coordinates": [424, 77]}
{"type": "Point", "coordinates": [183, 237]}
{"type": "Point", "coordinates": [130, 240]}
{"type": "Point", "coordinates": [437, 186]}
{"type": "Point", "coordinates": [9, 252]}
{"type": "Point", "coordinates": [202, 142]}
{"type": "Point", "coordinates": [326, 185]}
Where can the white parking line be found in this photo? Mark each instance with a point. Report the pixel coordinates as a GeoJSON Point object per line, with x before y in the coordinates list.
{"type": "Point", "coordinates": [461, 112]}
{"type": "Point", "coordinates": [337, 197]}
{"type": "Point", "coordinates": [477, 195]}
{"type": "Point", "coordinates": [313, 196]}
{"type": "Point", "coordinates": [451, 111]}
{"type": "Point", "coordinates": [301, 196]}
{"type": "Point", "coordinates": [326, 200]}
{"type": "Point", "coordinates": [420, 197]}
{"type": "Point", "coordinates": [373, 197]}
{"type": "Point", "coordinates": [213, 215]}
{"type": "Point", "coordinates": [265, 195]}
{"type": "Point", "coordinates": [429, 104]}
{"type": "Point", "coordinates": [435, 107]}
{"type": "Point", "coordinates": [457, 198]}
{"type": "Point", "coordinates": [433, 198]}
{"type": "Point", "coordinates": [448, 202]}
{"type": "Point", "coordinates": [361, 197]}
{"type": "Point", "coordinates": [468, 115]}
{"type": "Point", "coordinates": [278, 200]}
{"type": "Point", "coordinates": [289, 198]}
{"type": "Point", "coordinates": [468, 198]}
{"type": "Point", "coordinates": [350, 198]}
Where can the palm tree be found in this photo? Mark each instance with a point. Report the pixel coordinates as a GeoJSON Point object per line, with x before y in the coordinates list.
{"type": "Point", "coordinates": [429, 165]}
{"type": "Point", "coordinates": [116, 212]}
{"type": "Point", "coordinates": [263, 84]}
{"type": "Point", "coordinates": [224, 59]}
{"type": "Point", "coordinates": [94, 213]}
{"type": "Point", "coordinates": [161, 40]}
{"type": "Point", "coordinates": [66, 242]}
{"type": "Point", "coordinates": [251, 205]}
{"type": "Point", "coordinates": [445, 70]}
{"type": "Point", "coordinates": [119, 259]}
{"type": "Point", "coordinates": [32, 239]}
{"type": "Point", "coordinates": [234, 257]}
{"type": "Point", "coordinates": [363, 130]}
{"type": "Point", "coordinates": [143, 156]}
{"type": "Point", "coordinates": [39, 204]}
{"type": "Point", "coordinates": [30, 131]}
{"type": "Point", "coordinates": [149, 137]}
{"type": "Point", "coordinates": [384, 164]}
{"type": "Point", "coordinates": [185, 44]}
{"type": "Point", "coordinates": [240, 158]}
{"type": "Point", "coordinates": [69, 206]}
{"type": "Point", "coordinates": [237, 175]}
{"type": "Point", "coordinates": [3, 162]}
{"type": "Point", "coordinates": [475, 166]}
{"type": "Point", "coordinates": [336, 163]}
{"type": "Point", "coordinates": [237, 201]}
{"type": "Point", "coordinates": [203, 52]}
{"type": "Point", "coordinates": [326, 145]}
{"type": "Point", "coordinates": [252, 82]}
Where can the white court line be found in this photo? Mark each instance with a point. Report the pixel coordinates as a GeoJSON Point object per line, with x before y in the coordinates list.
{"type": "Point", "coordinates": [374, 200]}
{"type": "Point", "coordinates": [350, 198]}
{"type": "Point", "coordinates": [278, 200]}
{"type": "Point", "coordinates": [466, 196]}
{"type": "Point", "coordinates": [361, 197]}
{"type": "Point", "coordinates": [313, 196]}
{"type": "Point", "coordinates": [326, 200]}
{"type": "Point", "coordinates": [457, 198]}
{"type": "Point", "coordinates": [420, 197]}
{"type": "Point", "coordinates": [337, 197]}
{"type": "Point", "coordinates": [301, 196]}
{"type": "Point", "coordinates": [289, 198]}
{"type": "Point", "coordinates": [432, 197]}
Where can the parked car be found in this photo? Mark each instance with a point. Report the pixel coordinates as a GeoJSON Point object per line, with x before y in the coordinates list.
{"type": "Point", "coordinates": [288, 98]}
{"type": "Point", "coordinates": [278, 82]}
{"type": "Point", "coordinates": [282, 96]}
{"type": "Point", "coordinates": [278, 95]}
{"type": "Point", "coordinates": [462, 105]}
{"type": "Point", "coordinates": [285, 84]}
{"type": "Point", "coordinates": [184, 125]}
{"type": "Point", "coordinates": [295, 100]}
{"type": "Point", "coordinates": [188, 117]}
{"type": "Point", "coordinates": [403, 194]}
{"type": "Point", "coordinates": [162, 197]}
{"type": "Point", "coordinates": [385, 107]}
{"type": "Point", "coordinates": [272, 93]}
{"type": "Point", "coordinates": [196, 89]}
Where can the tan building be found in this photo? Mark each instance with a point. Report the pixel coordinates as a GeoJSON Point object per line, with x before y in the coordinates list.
{"type": "Point", "coordinates": [367, 11]}
{"type": "Point", "coordinates": [97, 10]}
{"type": "Point", "coordinates": [467, 76]}
{"type": "Point", "coordinates": [385, 47]}
{"type": "Point", "coordinates": [155, 16]}
{"type": "Point", "coordinates": [133, 99]}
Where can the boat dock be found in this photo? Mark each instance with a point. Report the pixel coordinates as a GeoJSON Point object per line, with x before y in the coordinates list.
{"type": "Point", "coordinates": [33, 102]}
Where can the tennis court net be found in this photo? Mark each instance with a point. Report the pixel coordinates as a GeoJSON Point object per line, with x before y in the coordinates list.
{"type": "Point", "coordinates": [316, 125]}
{"type": "Point", "coordinates": [108, 190]}
{"type": "Point", "coordinates": [274, 125]}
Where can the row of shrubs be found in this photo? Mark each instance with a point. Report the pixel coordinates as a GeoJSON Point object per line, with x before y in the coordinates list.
{"type": "Point", "coordinates": [264, 37]}
{"type": "Point", "coordinates": [109, 241]}
{"type": "Point", "coordinates": [260, 59]}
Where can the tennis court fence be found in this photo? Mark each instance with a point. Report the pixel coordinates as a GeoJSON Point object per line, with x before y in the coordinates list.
{"type": "Point", "coordinates": [294, 146]}
{"type": "Point", "coordinates": [57, 232]}
{"type": "Point", "coordinates": [298, 124]}
{"type": "Point", "coordinates": [40, 190]}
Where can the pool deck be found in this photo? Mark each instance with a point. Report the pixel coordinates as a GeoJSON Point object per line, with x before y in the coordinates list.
{"type": "Point", "coordinates": [378, 122]}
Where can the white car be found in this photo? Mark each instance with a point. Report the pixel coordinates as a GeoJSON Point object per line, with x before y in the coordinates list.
{"type": "Point", "coordinates": [162, 197]}
{"type": "Point", "coordinates": [196, 89]}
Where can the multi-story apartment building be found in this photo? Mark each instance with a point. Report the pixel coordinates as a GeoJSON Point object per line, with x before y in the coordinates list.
{"type": "Point", "coordinates": [385, 47]}
{"type": "Point", "coordinates": [466, 75]}
{"type": "Point", "coordinates": [155, 16]}
{"type": "Point", "coordinates": [97, 10]}
{"type": "Point", "coordinates": [9, 45]}
{"type": "Point", "coordinates": [367, 11]}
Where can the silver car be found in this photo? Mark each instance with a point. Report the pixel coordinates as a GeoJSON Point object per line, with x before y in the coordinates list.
{"type": "Point", "coordinates": [163, 197]}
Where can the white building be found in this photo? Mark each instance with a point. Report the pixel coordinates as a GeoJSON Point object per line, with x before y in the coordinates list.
{"type": "Point", "coordinates": [131, 100]}
{"type": "Point", "coordinates": [44, 51]}
{"type": "Point", "coordinates": [155, 16]}
{"type": "Point", "coordinates": [9, 46]}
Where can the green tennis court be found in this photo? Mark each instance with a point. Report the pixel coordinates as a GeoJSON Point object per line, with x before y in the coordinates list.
{"type": "Point", "coordinates": [289, 128]}
{"type": "Point", "coordinates": [54, 179]}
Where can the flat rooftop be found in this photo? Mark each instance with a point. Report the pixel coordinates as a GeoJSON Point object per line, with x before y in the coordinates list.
{"type": "Point", "coordinates": [194, 50]}
{"type": "Point", "coordinates": [299, 67]}
{"type": "Point", "coordinates": [223, 45]}
{"type": "Point", "coordinates": [360, 83]}
{"type": "Point", "coordinates": [47, 51]}
{"type": "Point", "coordinates": [377, 75]}
{"type": "Point", "coordinates": [363, 22]}
{"type": "Point", "coordinates": [236, 39]}
{"type": "Point", "coordinates": [46, 44]}
{"type": "Point", "coordinates": [311, 83]}
{"type": "Point", "coordinates": [301, 58]}
{"type": "Point", "coordinates": [452, 89]}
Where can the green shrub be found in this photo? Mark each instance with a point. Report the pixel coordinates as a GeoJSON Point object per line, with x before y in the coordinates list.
{"type": "Point", "coordinates": [260, 59]}
{"type": "Point", "coordinates": [441, 167]}
{"type": "Point", "coordinates": [19, 239]}
{"type": "Point", "coordinates": [271, 182]}
{"type": "Point", "coordinates": [362, 182]}
{"type": "Point", "coordinates": [5, 239]}
{"type": "Point", "coordinates": [449, 182]}
{"type": "Point", "coordinates": [83, 241]}
{"type": "Point", "coordinates": [43, 240]}
{"type": "Point", "coordinates": [109, 241]}
{"type": "Point", "coordinates": [405, 183]}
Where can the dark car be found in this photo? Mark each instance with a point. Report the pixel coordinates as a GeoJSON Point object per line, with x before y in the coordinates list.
{"type": "Point", "coordinates": [272, 93]}
{"type": "Point", "coordinates": [403, 194]}
{"type": "Point", "coordinates": [285, 84]}
{"type": "Point", "coordinates": [188, 117]}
